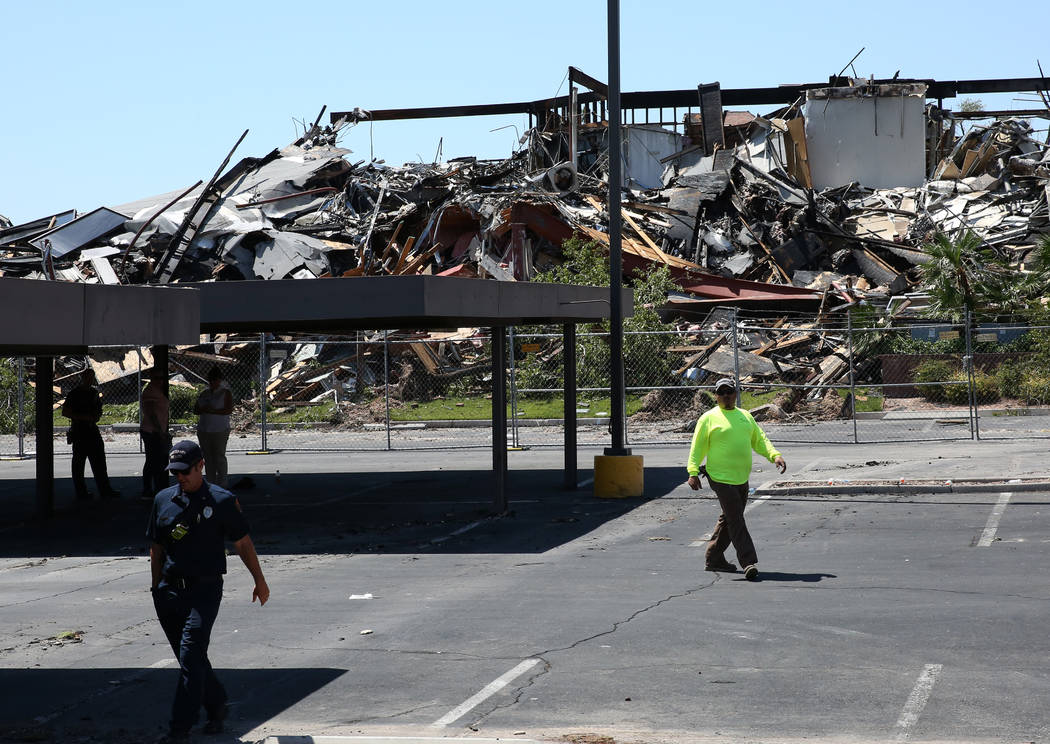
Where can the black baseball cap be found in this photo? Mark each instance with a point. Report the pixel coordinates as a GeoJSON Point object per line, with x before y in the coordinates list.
{"type": "Point", "coordinates": [184, 455]}
{"type": "Point", "coordinates": [725, 382]}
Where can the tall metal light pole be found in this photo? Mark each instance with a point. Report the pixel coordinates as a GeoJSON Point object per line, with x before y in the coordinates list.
{"type": "Point", "coordinates": [615, 258]}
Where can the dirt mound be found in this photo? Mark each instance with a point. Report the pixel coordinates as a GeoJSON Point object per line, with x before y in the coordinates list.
{"type": "Point", "coordinates": [355, 415]}
{"type": "Point", "coordinates": [672, 405]}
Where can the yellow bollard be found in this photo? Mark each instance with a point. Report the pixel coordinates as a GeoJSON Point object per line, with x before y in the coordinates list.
{"type": "Point", "coordinates": [618, 476]}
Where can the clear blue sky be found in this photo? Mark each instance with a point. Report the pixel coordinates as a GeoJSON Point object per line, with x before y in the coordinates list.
{"type": "Point", "coordinates": [106, 102]}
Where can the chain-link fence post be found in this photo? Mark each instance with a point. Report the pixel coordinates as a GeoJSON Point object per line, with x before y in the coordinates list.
{"type": "Point", "coordinates": [386, 383]}
{"type": "Point", "coordinates": [21, 407]}
{"type": "Point", "coordinates": [736, 354]}
{"type": "Point", "coordinates": [263, 364]}
{"type": "Point", "coordinates": [513, 393]}
{"type": "Point", "coordinates": [975, 429]}
{"type": "Point", "coordinates": [852, 385]}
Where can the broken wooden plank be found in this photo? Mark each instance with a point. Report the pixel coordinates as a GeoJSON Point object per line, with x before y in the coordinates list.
{"type": "Point", "coordinates": [419, 260]}
{"type": "Point", "coordinates": [648, 241]}
{"type": "Point", "coordinates": [390, 243]}
{"type": "Point", "coordinates": [404, 254]}
{"type": "Point", "coordinates": [425, 355]}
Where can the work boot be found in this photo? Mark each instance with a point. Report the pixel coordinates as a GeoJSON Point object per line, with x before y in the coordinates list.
{"type": "Point", "coordinates": [216, 716]}
{"type": "Point", "coordinates": [720, 564]}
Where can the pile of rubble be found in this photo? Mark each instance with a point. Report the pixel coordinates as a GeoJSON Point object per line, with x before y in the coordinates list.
{"type": "Point", "coordinates": [740, 221]}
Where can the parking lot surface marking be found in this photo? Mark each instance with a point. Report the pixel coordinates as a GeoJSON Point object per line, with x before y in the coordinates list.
{"type": "Point", "coordinates": [920, 694]}
{"type": "Point", "coordinates": [485, 692]}
{"type": "Point", "coordinates": [993, 521]}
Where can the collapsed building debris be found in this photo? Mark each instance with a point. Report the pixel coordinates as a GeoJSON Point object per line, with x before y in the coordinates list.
{"type": "Point", "coordinates": [770, 211]}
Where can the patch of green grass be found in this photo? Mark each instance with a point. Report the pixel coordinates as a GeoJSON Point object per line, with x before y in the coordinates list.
{"type": "Point", "coordinates": [749, 400]}
{"type": "Point", "coordinates": [867, 399]}
{"type": "Point", "coordinates": [127, 413]}
{"type": "Point", "coordinates": [325, 412]}
{"type": "Point", "coordinates": [457, 409]}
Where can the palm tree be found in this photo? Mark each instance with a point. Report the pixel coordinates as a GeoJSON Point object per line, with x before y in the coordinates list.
{"type": "Point", "coordinates": [961, 275]}
{"type": "Point", "coordinates": [951, 274]}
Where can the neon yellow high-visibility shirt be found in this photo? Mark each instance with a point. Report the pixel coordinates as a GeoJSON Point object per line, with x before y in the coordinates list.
{"type": "Point", "coordinates": [726, 439]}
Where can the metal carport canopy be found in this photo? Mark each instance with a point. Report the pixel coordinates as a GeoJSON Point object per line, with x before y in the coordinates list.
{"type": "Point", "coordinates": [374, 303]}
{"type": "Point", "coordinates": [48, 318]}
{"type": "Point", "coordinates": [418, 302]}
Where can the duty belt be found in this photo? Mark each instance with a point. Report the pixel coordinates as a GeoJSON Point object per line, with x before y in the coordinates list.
{"type": "Point", "coordinates": [188, 581]}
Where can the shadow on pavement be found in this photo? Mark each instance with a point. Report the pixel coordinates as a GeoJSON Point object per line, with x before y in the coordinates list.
{"type": "Point", "coordinates": [134, 705]}
{"type": "Point", "coordinates": [404, 512]}
{"type": "Point", "coordinates": [804, 577]}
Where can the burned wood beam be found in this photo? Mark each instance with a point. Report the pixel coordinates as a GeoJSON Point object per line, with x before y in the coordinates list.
{"type": "Point", "coordinates": [578, 76]}
{"type": "Point", "coordinates": [711, 116]}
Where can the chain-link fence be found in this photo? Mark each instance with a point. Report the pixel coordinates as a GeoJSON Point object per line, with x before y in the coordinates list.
{"type": "Point", "coordinates": [852, 380]}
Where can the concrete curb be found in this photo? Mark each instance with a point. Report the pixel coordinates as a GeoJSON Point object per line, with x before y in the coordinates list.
{"type": "Point", "coordinates": [910, 486]}
{"type": "Point", "coordinates": [393, 740]}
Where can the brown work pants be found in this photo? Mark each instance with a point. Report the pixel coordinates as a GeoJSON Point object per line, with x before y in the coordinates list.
{"type": "Point", "coordinates": [731, 527]}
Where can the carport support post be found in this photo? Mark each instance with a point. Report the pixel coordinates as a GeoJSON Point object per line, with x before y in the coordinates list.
{"type": "Point", "coordinates": [499, 417]}
{"type": "Point", "coordinates": [45, 443]}
{"type": "Point", "coordinates": [569, 384]}
{"type": "Point", "coordinates": [617, 474]}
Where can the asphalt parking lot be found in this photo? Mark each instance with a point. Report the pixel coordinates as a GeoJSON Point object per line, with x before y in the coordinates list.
{"type": "Point", "coordinates": [402, 607]}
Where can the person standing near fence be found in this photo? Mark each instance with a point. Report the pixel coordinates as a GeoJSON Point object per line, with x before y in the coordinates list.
{"type": "Point", "coordinates": [154, 432]}
{"type": "Point", "coordinates": [725, 435]}
{"type": "Point", "coordinates": [83, 408]}
{"type": "Point", "coordinates": [214, 406]}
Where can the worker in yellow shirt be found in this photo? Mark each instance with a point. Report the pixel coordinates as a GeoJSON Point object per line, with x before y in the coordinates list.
{"type": "Point", "coordinates": [725, 435]}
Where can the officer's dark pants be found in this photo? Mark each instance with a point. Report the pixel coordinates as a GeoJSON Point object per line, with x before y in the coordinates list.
{"type": "Point", "coordinates": [731, 527]}
{"type": "Point", "coordinates": [187, 616]}
{"type": "Point", "coordinates": [88, 446]}
{"type": "Point", "coordinates": [154, 475]}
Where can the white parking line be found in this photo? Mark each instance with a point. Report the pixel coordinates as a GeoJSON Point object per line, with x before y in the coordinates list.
{"type": "Point", "coordinates": [457, 533]}
{"type": "Point", "coordinates": [917, 701]}
{"type": "Point", "coordinates": [162, 663]}
{"type": "Point", "coordinates": [757, 500]}
{"type": "Point", "coordinates": [486, 692]}
{"type": "Point", "coordinates": [993, 520]}
{"type": "Point", "coordinates": [811, 465]}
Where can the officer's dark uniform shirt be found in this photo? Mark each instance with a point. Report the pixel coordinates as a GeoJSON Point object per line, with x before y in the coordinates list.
{"type": "Point", "coordinates": [207, 518]}
{"type": "Point", "coordinates": [84, 400]}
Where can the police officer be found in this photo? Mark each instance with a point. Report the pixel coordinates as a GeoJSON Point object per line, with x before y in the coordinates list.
{"type": "Point", "coordinates": [187, 528]}
{"type": "Point", "coordinates": [83, 408]}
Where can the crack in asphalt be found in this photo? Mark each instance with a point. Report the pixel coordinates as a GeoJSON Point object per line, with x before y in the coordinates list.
{"type": "Point", "coordinates": [391, 716]}
{"type": "Point", "coordinates": [456, 655]}
{"type": "Point", "coordinates": [547, 665]}
{"type": "Point", "coordinates": [70, 591]}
